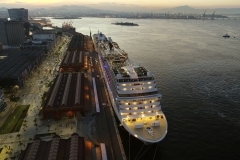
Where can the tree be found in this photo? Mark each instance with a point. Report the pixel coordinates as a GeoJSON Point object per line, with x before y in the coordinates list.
{"type": "Point", "coordinates": [19, 135]}
{"type": "Point", "coordinates": [20, 144]}
{"type": "Point", "coordinates": [11, 138]}
{"type": "Point", "coordinates": [59, 33]}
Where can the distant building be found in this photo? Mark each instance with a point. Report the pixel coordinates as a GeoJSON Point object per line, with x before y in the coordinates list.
{"type": "Point", "coordinates": [15, 32]}
{"type": "Point", "coordinates": [72, 148]}
{"type": "Point", "coordinates": [46, 44]}
{"type": "Point", "coordinates": [2, 99]}
{"type": "Point", "coordinates": [11, 33]}
{"type": "Point", "coordinates": [3, 32]}
{"type": "Point", "coordinates": [43, 22]}
{"type": "Point", "coordinates": [48, 35]}
{"type": "Point", "coordinates": [18, 14]}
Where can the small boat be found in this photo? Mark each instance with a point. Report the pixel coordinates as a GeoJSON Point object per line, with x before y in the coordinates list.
{"type": "Point", "coordinates": [125, 24]}
{"type": "Point", "coordinates": [226, 36]}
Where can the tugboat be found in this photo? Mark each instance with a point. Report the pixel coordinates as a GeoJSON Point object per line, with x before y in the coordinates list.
{"type": "Point", "coordinates": [226, 36]}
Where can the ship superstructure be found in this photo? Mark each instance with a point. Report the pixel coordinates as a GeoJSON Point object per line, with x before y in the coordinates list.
{"type": "Point", "coordinates": [134, 94]}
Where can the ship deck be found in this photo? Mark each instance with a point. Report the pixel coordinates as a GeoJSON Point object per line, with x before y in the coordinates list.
{"type": "Point", "coordinates": [159, 132]}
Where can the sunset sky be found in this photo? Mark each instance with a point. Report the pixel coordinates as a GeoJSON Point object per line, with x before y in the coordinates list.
{"type": "Point", "coordinates": [142, 3]}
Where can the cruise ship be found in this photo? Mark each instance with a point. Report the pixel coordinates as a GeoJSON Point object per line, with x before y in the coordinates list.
{"type": "Point", "coordinates": [133, 92]}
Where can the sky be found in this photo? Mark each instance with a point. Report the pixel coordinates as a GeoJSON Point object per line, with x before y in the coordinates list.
{"type": "Point", "coordinates": [128, 3]}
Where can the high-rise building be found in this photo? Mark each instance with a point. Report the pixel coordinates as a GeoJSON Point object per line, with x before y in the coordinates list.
{"type": "Point", "coordinates": [3, 32]}
{"type": "Point", "coordinates": [18, 14]}
{"type": "Point", "coordinates": [15, 32]}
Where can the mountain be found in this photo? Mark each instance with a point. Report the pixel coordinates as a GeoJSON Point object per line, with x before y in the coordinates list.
{"type": "Point", "coordinates": [183, 8]}
{"type": "Point", "coordinates": [72, 9]}
{"type": "Point", "coordinates": [114, 8]}
{"type": "Point", "coordinates": [190, 10]}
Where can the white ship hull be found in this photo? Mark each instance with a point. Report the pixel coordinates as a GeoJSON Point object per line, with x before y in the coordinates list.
{"type": "Point", "coordinates": [159, 132]}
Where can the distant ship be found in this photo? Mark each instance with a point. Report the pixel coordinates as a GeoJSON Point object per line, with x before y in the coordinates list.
{"type": "Point", "coordinates": [67, 18]}
{"type": "Point", "coordinates": [226, 36]}
{"type": "Point", "coordinates": [133, 92]}
{"type": "Point", "coordinates": [125, 24]}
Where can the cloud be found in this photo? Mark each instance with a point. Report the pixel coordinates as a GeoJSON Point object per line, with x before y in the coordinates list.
{"type": "Point", "coordinates": [19, 2]}
{"type": "Point", "coordinates": [107, 3]}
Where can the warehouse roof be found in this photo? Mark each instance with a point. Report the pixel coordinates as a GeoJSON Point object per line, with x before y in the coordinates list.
{"type": "Point", "coordinates": [16, 63]}
{"type": "Point", "coordinates": [57, 148]}
{"type": "Point", "coordinates": [66, 92]}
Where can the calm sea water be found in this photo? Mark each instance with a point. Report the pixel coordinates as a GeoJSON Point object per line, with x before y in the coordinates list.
{"type": "Point", "coordinates": [198, 74]}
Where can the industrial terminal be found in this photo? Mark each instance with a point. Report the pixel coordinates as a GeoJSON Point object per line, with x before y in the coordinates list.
{"type": "Point", "coordinates": [49, 96]}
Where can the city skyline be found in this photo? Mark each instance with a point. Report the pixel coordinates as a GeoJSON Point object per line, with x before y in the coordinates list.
{"type": "Point", "coordinates": [102, 4]}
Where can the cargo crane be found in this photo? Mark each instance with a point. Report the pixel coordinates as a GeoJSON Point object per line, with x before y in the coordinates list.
{"type": "Point", "coordinates": [213, 16]}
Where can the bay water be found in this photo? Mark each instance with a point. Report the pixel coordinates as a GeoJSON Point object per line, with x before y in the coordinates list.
{"type": "Point", "coordinates": [198, 73]}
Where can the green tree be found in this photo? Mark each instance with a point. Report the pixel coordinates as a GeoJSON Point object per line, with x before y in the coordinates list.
{"type": "Point", "coordinates": [19, 135]}
{"type": "Point", "coordinates": [20, 144]}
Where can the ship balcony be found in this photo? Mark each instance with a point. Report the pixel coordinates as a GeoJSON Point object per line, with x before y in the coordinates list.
{"type": "Point", "coordinates": [136, 100]}
{"type": "Point", "coordinates": [151, 98]}
{"type": "Point", "coordinates": [141, 111]}
{"type": "Point", "coordinates": [136, 105]}
{"type": "Point", "coordinates": [136, 83]}
{"type": "Point", "coordinates": [129, 87]}
{"type": "Point", "coordinates": [146, 114]}
{"type": "Point", "coordinates": [136, 91]}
